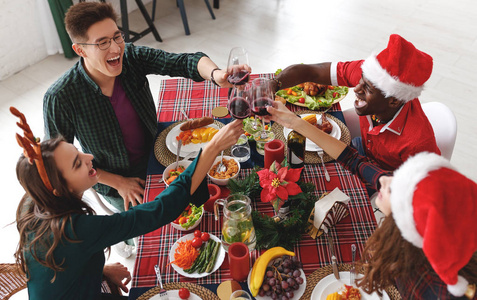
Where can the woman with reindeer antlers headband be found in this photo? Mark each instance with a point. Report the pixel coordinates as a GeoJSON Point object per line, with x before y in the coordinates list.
{"type": "Point", "coordinates": [62, 241]}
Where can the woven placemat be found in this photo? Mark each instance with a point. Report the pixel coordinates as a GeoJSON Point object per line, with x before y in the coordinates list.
{"type": "Point", "coordinates": [313, 279]}
{"type": "Point", "coordinates": [163, 154]}
{"type": "Point", "coordinates": [200, 291]}
{"type": "Point", "coordinates": [311, 157]}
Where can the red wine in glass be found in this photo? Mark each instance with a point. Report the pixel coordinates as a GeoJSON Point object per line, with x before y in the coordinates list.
{"type": "Point", "coordinates": [239, 77]}
{"type": "Point", "coordinates": [259, 106]}
{"type": "Point", "coordinates": [239, 108]}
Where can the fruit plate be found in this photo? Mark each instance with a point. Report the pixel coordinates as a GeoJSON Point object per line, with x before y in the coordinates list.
{"type": "Point", "coordinates": [218, 261]}
{"type": "Point", "coordinates": [297, 293]}
{"type": "Point", "coordinates": [330, 285]}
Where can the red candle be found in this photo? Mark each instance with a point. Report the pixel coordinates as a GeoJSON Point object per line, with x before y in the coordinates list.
{"type": "Point", "coordinates": [239, 261]}
{"type": "Point", "coordinates": [214, 192]}
{"type": "Point", "coordinates": [274, 151]}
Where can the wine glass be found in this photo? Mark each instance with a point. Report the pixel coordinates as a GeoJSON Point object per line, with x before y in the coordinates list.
{"type": "Point", "coordinates": [262, 97]}
{"type": "Point", "coordinates": [238, 103]}
{"type": "Point", "coordinates": [237, 66]}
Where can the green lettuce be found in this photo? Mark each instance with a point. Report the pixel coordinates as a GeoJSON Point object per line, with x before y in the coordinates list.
{"type": "Point", "coordinates": [193, 217]}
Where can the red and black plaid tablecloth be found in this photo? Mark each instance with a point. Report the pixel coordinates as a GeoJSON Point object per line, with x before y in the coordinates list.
{"type": "Point", "coordinates": [198, 99]}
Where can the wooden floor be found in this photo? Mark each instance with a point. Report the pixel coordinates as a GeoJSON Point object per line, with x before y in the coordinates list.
{"type": "Point", "coordinates": [278, 33]}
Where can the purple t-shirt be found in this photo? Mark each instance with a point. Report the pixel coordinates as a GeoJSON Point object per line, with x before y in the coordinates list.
{"type": "Point", "coordinates": [130, 123]}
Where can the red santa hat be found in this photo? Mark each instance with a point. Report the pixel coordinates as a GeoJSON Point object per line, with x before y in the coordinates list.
{"type": "Point", "coordinates": [400, 70]}
{"type": "Point", "coordinates": [434, 207]}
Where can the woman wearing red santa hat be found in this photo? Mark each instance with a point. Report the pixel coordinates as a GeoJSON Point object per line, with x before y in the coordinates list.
{"type": "Point", "coordinates": [427, 244]}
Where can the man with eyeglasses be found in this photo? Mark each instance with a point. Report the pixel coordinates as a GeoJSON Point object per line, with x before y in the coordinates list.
{"type": "Point", "coordinates": [105, 100]}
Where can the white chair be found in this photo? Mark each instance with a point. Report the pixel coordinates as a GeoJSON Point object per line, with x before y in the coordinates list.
{"type": "Point", "coordinates": [444, 125]}
{"type": "Point", "coordinates": [98, 203]}
{"type": "Point", "coordinates": [442, 120]}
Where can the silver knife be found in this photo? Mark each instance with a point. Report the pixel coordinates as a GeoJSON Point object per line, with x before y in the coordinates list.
{"type": "Point", "coordinates": [333, 257]}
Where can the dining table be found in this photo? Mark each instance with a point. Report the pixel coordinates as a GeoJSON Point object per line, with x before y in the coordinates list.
{"type": "Point", "coordinates": [178, 98]}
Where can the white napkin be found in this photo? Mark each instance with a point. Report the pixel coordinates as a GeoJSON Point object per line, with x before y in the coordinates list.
{"type": "Point", "coordinates": [323, 205]}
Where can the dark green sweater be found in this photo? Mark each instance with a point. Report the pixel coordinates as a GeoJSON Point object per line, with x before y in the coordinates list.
{"type": "Point", "coordinates": [84, 261]}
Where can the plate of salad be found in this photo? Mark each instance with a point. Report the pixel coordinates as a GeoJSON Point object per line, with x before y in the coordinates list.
{"type": "Point", "coordinates": [197, 254]}
{"type": "Point", "coordinates": [189, 219]}
{"type": "Point", "coordinates": [312, 95]}
{"type": "Point", "coordinates": [253, 125]}
{"type": "Point", "coordinates": [327, 96]}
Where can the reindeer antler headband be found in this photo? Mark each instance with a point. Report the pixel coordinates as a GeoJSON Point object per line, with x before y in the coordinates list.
{"type": "Point", "coordinates": [31, 147]}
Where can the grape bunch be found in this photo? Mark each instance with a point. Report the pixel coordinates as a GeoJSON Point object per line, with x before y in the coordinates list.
{"type": "Point", "coordinates": [282, 278]}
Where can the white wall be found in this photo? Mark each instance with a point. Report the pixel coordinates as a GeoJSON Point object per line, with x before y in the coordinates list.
{"type": "Point", "coordinates": [20, 35]}
{"type": "Point", "coordinates": [21, 39]}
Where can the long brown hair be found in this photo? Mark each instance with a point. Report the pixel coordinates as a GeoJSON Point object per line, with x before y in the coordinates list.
{"type": "Point", "coordinates": [41, 215]}
{"type": "Point", "coordinates": [387, 256]}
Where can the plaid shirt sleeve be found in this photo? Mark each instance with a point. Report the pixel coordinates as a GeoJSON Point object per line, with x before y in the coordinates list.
{"type": "Point", "coordinates": [156, 61]}
{"type": "Point", "coordinates": [360, 166]}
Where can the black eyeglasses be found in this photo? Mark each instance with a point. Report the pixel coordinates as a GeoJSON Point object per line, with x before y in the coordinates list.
{"type": "Point", "coordinates": [105, 44]}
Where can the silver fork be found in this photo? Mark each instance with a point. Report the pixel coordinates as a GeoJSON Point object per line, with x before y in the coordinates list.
{"type": "Point", "coordinates": [221, 168]}
{"type": "Point", "coordinates": [352, 272]}
{"type": "Point", "coordinates": [163, 293]}
{"type": "Point", "coordinates": [320, 154]}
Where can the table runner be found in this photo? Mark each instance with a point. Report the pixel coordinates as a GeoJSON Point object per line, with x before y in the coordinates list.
{"type": "Point", "coordinates": [198, 99]}
{"type": "Point", "coordinates": [154, 247]}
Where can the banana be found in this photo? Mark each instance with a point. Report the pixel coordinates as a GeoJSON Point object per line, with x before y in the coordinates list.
{"type": "Point", "coordinates": [260, 266]}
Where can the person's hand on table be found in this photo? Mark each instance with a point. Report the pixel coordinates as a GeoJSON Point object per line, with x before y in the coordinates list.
{"type": "Point", "coordinates": [118, 274]}
{"type": "Point", "coordinates": [131, 190]}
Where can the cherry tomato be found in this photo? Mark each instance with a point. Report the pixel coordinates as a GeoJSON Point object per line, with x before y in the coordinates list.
{"type": "Point", "coordinates": [176, 221]}
{"type": "Point", "coordinates": [204, 236]}
{"type": "Point", "coordinates": [197, 233]}
{"type": "Point", "coordinates": [335, 94]}
{"type": "Point", "coordinates": [182, 220]}
{"type": "Point", "coordinates": [196, 242]}
{"type": "Point", "coordinates": [301, 100]}
{"type": "Point", "coordinates": [184, 293]}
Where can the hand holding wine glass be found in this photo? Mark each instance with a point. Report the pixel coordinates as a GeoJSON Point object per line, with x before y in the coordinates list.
{"type": "Point", "coordinates": [261, 98]}
{"type": "Point", "coordinates": [238, 67]}
{"type": "Point", "coordinates": [238, 103]}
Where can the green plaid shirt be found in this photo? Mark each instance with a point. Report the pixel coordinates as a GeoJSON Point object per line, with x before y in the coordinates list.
{"type": "Point", "coordinates": [74, 105]}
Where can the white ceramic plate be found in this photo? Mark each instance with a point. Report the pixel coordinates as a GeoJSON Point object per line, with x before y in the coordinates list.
{"type": "Point", "coordinates": [218, 261]}
{"type": "Point", "coordinates": [309, 145]}
{"type": "Point", "coordinates": [174, 295]}
{"type": "Point", "coordinates": [330, 284]}
{"type": "Point", "coordinates": [172, 143]}
{"type": "Point", "coordinates": [296, 293]}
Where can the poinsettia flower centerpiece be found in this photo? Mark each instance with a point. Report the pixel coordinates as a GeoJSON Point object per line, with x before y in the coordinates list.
{"type": "Point", "coordinates": [279, 184]}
